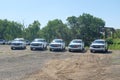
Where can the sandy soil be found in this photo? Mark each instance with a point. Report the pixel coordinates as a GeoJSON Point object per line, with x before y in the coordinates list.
{"type": "Point", "coordinates": [85, 67]}
{"type": "Point", "coordinates": [46, 65]}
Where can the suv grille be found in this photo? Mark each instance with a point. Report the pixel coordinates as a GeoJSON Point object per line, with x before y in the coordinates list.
{"type": "Point", "coordinates": [97, 46]}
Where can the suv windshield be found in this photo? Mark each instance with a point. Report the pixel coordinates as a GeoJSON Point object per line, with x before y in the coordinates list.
{"type": "Point", "coordinates": [58, 41]}
{"type": "Point", "coordinates": [99, 42]}
{"type": "Point", "coordinates": [39, 40]}
{"type": "Point", "coordinates": [76, 41]}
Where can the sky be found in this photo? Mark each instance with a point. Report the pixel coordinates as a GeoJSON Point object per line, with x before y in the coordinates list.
{"type": "Point", "coordinates": [26, 11]}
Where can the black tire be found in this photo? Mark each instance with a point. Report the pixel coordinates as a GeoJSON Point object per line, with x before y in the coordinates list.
{"type": "Point", "coordinates": [106, 50]}
{"type": "Point", "coordinates": [12, 48]}
{"type": "Point", "coordinates": [83, 50]}
{"type": "Point", "coordinates": [64, 48]}
{"type": "Point", "coordinates": [31, 49]}
{"type": "Point", "coordinates": [43, 48]}
{"type": "Point", "coordinates": [46, 48]}
{"type": "Point", "coordinates": [50, 49]}
{"type": "Point", "coordinates": [92, 51]}
{"type": "Point", "coordinates": [24, 48]}
{"type": "Point", "coordinates": [69, 50]}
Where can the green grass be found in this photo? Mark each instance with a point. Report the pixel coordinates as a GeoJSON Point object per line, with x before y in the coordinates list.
{"type": "Point", "coordinates": [114, 47]}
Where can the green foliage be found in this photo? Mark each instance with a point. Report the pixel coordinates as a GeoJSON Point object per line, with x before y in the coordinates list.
{"type": "Point", "coordinates": [109, 41]}
{"type": "Point", "coordinates": [56, 29]}
{"type": "Point", "coordinates": [114, 47]}
{"type": "Point", "coordinates": [32, 31]}
{"type": "Point", "coordinates": [115, 44]}
{"type": "Point", "coordinates": [85, 27]}
{"type": "Point", "coordinates": [10, 29]}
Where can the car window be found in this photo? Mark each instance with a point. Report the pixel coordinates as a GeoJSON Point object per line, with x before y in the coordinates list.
{"type": "Point", "coordinates": [39, 40]}
{"type": "Point", "coordinates": [58, 41]}
{"type": "Point", "coordinates": [76, 41]}
{"type": "Point", "coordinates": [99, 42]}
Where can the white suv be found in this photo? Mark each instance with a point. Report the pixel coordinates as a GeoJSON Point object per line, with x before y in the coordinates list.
{"type": "Point", "coordinates": [18, 43]}
{"type": "Point", "coordinates": [57, 44]}
{"type": "Point", "coordinates": [76, 45]}
{"type": "Point", "coordinates": [99, 45]}
{"type": "Point", "coordinates": [38, 43]}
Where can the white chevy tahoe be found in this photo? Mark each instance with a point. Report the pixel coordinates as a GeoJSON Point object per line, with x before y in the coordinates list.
{"type": "Point", "coordinates": [18, 43]}
{"type": "Point", "coordinates": [76, 45]}
{"type": "Point", "coordinates": [57, 44]}
{"type": "Point", "coordinates": [38, 43]}
{"type": "Point", "coordinates": [99, 45]}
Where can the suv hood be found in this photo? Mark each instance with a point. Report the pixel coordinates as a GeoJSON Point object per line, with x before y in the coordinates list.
{"type": "Point", "coordinates": [55, 43]}
{"type": "Point", "coordinates": [17, 42]}
{"type": "Point", "coordinates": [36, 42]}
{"type": "Point", "coordinates": [97, 44]}
{"type": "Point", "coordinates": [75, 44]}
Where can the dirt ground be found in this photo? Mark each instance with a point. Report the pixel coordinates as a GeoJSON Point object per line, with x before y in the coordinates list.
{"type": "Point", "coordinates": [46, 65]}
{"type": "Point", "coordinates": [85, 67]}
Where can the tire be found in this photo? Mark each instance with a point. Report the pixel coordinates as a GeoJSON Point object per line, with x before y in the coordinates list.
{"type": "Point", "coordinates": [82, 49]}
{"type": "Point", "coordinates": [24, 48]}
{"type": "Point", "coordinates": [12, 48]}
{"type": "Point", "coordinates": [43, 48]}
{"type": "Point", "coordinates": [62, 49]}
{"type": "Point", "coordinates": [106, 50]}
{"type": "Point", "coordinates": [50, 49]}
{"type": "Point", "coordinates": [92, 51]}
{"type": "Point", "coordinates": [46, 48]}
{"type": "Point", "coordinates": [69, 50]}
{"type": "Point", "coordinates": [31, 49]}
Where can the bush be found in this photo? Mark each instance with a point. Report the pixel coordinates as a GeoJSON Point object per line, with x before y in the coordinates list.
{"type": "Point", "coordinates": [114, 44]}
{"type": "Point", "coordinates": [109, 41]}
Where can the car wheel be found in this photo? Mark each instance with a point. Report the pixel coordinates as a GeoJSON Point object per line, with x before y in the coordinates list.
{"type": "Point", "coordinates": [50, 49]}
{"type": "Point", "coordinates": [31, 49]}
{"type": "Point", "coordinates": [92, 51]}
{"type": "Point", "coordinates": [61, 49]}
{"type": "Point", "coordinates": [24, 48]}
{"type": "Point", "coordinates": [64, 48]}
{"type": "Point", "coordinates": [46, 48]}
{"type": "Point", "coordinates": [12, 48]}
{"type": "Point", "coordinates": [106, 50]}
{"type": "Point", "coordinates": [43, 48]}
{"type": "Point", "coordinates": [83, 49]}
{"type": "Point", "coordinates": [70, 50]}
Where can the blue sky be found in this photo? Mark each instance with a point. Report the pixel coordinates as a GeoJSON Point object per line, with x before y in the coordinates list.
{"type": "Point", "coordinates": [44, 10]}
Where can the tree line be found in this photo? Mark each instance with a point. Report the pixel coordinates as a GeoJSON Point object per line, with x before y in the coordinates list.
{"type": "Point", "coordinates": [86, 27]}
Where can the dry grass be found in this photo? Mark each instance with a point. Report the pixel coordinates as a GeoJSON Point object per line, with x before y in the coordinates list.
{"type": "Point", "coordinates": [86, 67]}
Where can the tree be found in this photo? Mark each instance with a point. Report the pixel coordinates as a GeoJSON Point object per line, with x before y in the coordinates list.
{"type": "Point", "coordinates": [32, 31]}
{"type": "Point", "coordinates": [10, 29]}
{"type": "Point", "coordinates": [74, 26]}
{"type": "Point", "coordinates": [56, 29]}
{"type": "Point", "coordinates": [117, 33]}
{"type": "Point", "coordinates": [86, 27]}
